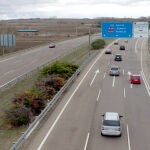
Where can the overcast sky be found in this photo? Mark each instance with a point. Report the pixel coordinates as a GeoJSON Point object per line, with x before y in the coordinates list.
{"type": "Point", "coordinates": [15, 9]}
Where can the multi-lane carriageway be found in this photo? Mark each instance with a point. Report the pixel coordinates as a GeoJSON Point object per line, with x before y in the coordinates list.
{"type": "Point", "coordinates": [75, 122]}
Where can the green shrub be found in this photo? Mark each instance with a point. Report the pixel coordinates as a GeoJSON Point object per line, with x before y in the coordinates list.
{"type": "Point", "coordinates": [72, 66]}
{"type": "Point", "coordinates": [62, 69]}
{"type": "Point", "coordinates": [45, 71]}
{"type": "Point", "coordinates": [37, 105]}
{"type": "Point", "coordinates": [98, 44]}
{"type": "Point", "coordinates": [22, 99]}
{"type": "Point", "coordinates": [35, 92]}
{"type": "Point", "coordinates": [18, 116]}
{"type": "Point", "coordinates": [55, 82]}
{"type": "Point", "coordinates": [59, 82]}
{"type": "Point", "coordinates": [32, 99]}
{"type": "Point", "coordinates": [49, 92]}
{"type": "Point", "coordinates": [50, 85]}
{"type": "Point", "coordinates": [30, 103]}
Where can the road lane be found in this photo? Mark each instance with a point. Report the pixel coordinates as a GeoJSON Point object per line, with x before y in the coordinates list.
{"type": "Point", "coordinates": [81, 98]}
{"type": "Point", "coordinates": [137, 103]}
{"type": "Point", "coordinates": [82, 108]}
{"type": "Point", "coordinates": [79, 126]}
{"type": "Point", "coordinates": [35, 57]}
{"type": "Point", "coordinates": [112, 99]}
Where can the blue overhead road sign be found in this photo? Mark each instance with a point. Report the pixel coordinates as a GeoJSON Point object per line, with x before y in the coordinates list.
{"type": "Point", "coordinates": [117, 29]}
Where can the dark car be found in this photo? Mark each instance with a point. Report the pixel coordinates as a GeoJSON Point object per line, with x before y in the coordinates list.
{"type": "Point", "coordinates": [118, 57]}
{"type": "Point", "coordinates": [52, 45]}
{"type": "Point", "coordinates": [122, 47]}
{"type": "Point", "coordinates": [115, 43]}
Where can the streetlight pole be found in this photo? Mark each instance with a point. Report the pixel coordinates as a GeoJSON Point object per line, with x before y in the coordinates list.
{"type": "Point", "coordinates": [89, 39]}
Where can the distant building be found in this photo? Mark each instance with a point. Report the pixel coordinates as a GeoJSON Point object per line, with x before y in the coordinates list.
{"type": "Point", "coordinates": [27, 32]}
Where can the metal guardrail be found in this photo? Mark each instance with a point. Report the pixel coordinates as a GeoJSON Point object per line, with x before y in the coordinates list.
{"type": "Point", "coordinates": [149, 43]}
{"type": "Point", "coordinates": [50, 104]}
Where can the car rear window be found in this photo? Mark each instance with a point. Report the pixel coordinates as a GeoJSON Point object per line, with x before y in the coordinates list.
{"type": "Point", "coordinates": [136, 77]}
{"type": "Point", "coordinates": [115, 68]}
{"type": "Point", "coordinates": [118, 55]}
{"type": "Point", "coordinates": [111, 123]}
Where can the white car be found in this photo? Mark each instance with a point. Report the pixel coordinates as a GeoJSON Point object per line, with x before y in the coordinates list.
{"type": "Point", "coordinates": [114, 71]}
{"type": "Point", "coordinates": [108, 51]}
{"type": "Point", "coordinates": [111, 124]}
{"type": "Point", "coordinates": [52, 45]}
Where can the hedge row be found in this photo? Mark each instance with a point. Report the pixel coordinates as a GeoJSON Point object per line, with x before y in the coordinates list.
{"type": "Point", "coordinates": [28, 104]}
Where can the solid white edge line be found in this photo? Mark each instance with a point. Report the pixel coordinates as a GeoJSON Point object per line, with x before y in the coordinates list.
{"type": "Point", "coordinates": [53, 125]}
{"type": "Point", "coordinates": [33, 61]}
{"type": "Point", "coordinates": [11, 71]}
{"type": "Point", "coordinates": [142, 57]}
{"type": "Point", "coordinates": [142, 72]}
{"type": "Point", "coordinates": [145, 82]}
{"type": "Point", "coordinates": [128, 136]}
{"type": "Point", "coordinates": [17, 61]}
{"type": "Point", "coordinates": [86, 142]}
{"type": "Point", "coordinates": [113, 84]}
{"type": "Point", "coordinates": [124, 93]}
{"type": "Point", "coordinates": [99, 93]}
{"type": "Point", "coordinates": [104, 75]}
{"type": "Point", "coordinates": [136, 46]}
{"type": "Point", "coordinates": [6, 59]}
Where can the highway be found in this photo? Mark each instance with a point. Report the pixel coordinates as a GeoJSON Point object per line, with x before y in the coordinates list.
{"type": "Point", "coordinates": [75, 122]}
{"type": "Point", "coordinates": [16, 64]}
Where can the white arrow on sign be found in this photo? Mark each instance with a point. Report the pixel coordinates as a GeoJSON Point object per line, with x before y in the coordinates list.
{"type": "Point", "coordinates": [96, 72]}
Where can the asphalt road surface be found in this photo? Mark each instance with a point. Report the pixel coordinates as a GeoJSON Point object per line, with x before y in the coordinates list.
{"type": "Point", "coordinates": [14, 65]}
{"type": "Point", "coordinates": [75, 122]}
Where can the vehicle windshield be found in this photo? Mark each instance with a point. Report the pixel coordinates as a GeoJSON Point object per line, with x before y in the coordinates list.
{"type": "Point", "coordinates": [111, 123]}
{"type": "Point", "coordinates": [136, 77]}
{"type": "Point", "coordinates": [114, 68]}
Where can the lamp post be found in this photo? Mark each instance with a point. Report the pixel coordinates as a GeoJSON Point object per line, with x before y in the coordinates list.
{"type": "Point", "coordinates": [89, 39]}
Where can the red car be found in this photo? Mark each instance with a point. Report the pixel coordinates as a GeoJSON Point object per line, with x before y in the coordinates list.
{"type": "Point", "coordinates": [135, 79]}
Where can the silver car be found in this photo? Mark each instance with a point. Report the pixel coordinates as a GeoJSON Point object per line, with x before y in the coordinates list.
{"type": "Point", "coordinates": [111, 124]}
{"type": "Point", "coordinates": [114, 71]}
{"type": "Point", "coordinates": [108, 51]}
